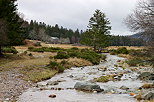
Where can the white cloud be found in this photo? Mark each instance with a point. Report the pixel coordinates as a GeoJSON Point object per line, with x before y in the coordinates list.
{"type": "Point", "coordinates": [76, 13]}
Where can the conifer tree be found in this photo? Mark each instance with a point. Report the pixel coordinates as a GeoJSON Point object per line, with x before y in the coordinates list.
{"type": "Point", "coordinates": [12, 23]}
{"type": "Point", "coordinates": [97, 33]}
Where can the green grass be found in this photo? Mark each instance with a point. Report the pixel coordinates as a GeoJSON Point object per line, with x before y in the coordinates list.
{"type": "Point", "coordinates": [135, 62]}
{"type": "Point", "coordinates": [9, 50]}
{"type": "Point", "coordinates": [45, 49]}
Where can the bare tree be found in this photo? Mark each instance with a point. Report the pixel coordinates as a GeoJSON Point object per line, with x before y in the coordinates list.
{"type": "Point", "coordinates": [142, 19]}
{"type": "Point", "coordinates": [3, 34]}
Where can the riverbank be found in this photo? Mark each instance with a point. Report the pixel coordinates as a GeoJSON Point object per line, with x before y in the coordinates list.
{"type": "Point", "coordinates": [20, 72]}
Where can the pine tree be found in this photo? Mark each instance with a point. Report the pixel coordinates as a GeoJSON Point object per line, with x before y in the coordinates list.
{"type": "Point", "coordinates": [97, 33]}
{"type": "Point", "coordinates": [13, 30]}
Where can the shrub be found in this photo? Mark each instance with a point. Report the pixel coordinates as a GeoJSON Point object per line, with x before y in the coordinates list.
{"type": "Point", "coordinates": [30, 48]}
{"type": "Point", "coordinates": [91, 56]}
{"type": "Point", "coordinates": [45, 49]}
{"type": "Point", "coordinates": [103, 57]}
{"type": "Point", "coordinates": [30, 54]}
{"type": "Point", "coordinates": [62, 55]}
{"type": "Point", "coordinates": [63, 62]}
{"type": "Point", "coordinates": [74, 54]}
{"type": "Point", "coordinates": [134, 62]}
{"type": "Point", "coordinates": [37, 44]}
{"type": "Point", "coordinates": [9, 50]}
{"type": "Point", "coordinates": [56, 66]}
{"type": "Point", "coordinates": [122, 50]}
{"type": "Point", "coordinates": [60, 69]}
{"type": "Point", "coordinates": [74, 48]}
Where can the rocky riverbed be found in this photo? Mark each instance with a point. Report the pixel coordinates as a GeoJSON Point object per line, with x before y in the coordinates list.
{"type": "Point", "coordinates": [68, 86]}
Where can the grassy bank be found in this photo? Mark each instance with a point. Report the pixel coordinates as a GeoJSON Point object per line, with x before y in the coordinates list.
{"type": "Point", "coordinates": [37, 64]}
{"type": "Point", "coordinates": [136, 57]}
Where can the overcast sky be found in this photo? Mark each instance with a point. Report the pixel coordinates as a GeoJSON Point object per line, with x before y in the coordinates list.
{"type": "Point", "coordinates": [76, 13]}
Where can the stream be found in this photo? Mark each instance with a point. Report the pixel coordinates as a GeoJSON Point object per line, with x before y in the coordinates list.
{"type": "Point", "coordinates": [67, 80]}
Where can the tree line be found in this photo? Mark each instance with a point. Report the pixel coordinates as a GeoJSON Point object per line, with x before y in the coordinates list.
{"type": "Point", "coordinates": [43, 32]}
{"type": "Point", "coordinates": [126, 41]}
{"type": "Point", "coordinates": [13, 29]}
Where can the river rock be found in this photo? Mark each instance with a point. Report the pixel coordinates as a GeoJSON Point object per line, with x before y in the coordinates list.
{"type": "Point", "coordinates": [124, 88]}
{"type": "Point", "coordinates": [149, 96]}
{"type": "Point", "coordinates": [146, 76]}
{"type": "Point", "coordinates": [52, 96]}
{"type": "Point", "coordinates": [52, 83]}
{"type": "Point", "coordinates": [87, 86]}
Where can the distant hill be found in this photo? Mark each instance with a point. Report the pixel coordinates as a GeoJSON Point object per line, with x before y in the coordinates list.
{"type": "Point", "coordinates": [139, 36]}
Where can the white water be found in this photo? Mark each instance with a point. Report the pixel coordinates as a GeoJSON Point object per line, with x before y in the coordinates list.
{"type": "Point", "coordinates": [73, 75]}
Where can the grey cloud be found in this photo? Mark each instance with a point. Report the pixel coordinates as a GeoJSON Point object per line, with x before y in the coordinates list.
{"type": "Point", "coordinates": [76, 13]}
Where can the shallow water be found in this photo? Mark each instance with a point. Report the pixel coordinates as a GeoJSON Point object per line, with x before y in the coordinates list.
{"type": "Point", "coordinates": [82, 74]}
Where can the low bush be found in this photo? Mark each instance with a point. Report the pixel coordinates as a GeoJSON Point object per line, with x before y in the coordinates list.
{"type": "Point", "coordinates": [30, 48]}
{"type": "Point", "coordinates": [45, 49]}
{"type": "Point", "coordinates": [103, 57]}
{"type": "Point", "coordinates": [91, 56]}
{"type": "Point", "coordinates": [74, 48]}
{"type": "Point", "coordinates": [135, 62]}
{"type": "Point", "coordinates": [37, 44]}
{"type": "Point", "coordinates": [86, 54]}
{"type": "Point", "coordinates": [122, 50]}
{"type": "Point", "coordinates": [62, 55]}
{"type": "Point", "coordinates": [9, 50]}
{"type": "Point", "coordinates": [56, 66]}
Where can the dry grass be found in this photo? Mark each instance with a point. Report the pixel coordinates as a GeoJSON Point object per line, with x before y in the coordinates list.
{"type": "Point", "coordinates": [125, 56]}
{"type": "Point", "coordinates": [128, 47]}
{"type": "Point", "coordinates": [149, 101]}
{"type": "Point", "coordinates": [73, 62]}
{"type": "Point", "coordinates": [78, 62]}
{"type": "Point", "coordinates": [65, 46]}
{"type": "Point", "coordinates": [34, 67]}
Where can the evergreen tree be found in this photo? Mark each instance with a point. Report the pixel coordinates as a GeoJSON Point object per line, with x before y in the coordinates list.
{"type": "Point", "coordinates": [97, 34]}
{"type": "Point", "coordinates": [13, 23]}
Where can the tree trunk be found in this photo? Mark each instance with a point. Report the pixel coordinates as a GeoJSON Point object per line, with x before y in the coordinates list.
{"type": "Point", "coordinates": [1, 51]}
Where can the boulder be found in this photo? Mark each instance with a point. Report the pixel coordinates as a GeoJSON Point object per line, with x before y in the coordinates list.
{"type": "Point", "coordinates": [149, 96]}
{"type": "Point", "coordinates": [87, 86]}
{"type": "Point", "coordinates": [146, 76]}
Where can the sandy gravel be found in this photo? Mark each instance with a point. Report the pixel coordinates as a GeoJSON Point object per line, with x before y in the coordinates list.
{"type": "Point", "coordinates": [11, 85]}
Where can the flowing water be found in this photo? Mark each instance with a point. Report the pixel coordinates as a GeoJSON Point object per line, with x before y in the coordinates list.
{"type": "Point", "coordinates": [67, 80]}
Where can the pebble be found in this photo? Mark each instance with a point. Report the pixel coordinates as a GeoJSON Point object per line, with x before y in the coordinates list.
{"type": "Point", "coordinates": [52, 96]}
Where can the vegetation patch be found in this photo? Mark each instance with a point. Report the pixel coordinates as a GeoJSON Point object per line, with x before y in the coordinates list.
{"type": "Point", "coordinates": [105, 78]}
{"type": "Point", "coordinates": [9, 50]}
{"type": "Point", "coordinates": [62, 55]}
{"type": "Point", "coordinates": [86, 54]}
{"type": "Point", "coordinates": [37, 74]}
{"type": "Point", "coordinates": [45, 49]}
{"type": "Point", "coordinates": [135, 62]}
{"type": "Point", "coordinates": [122, 50]}
{"type": "Point", "coordinates": [56, 66]}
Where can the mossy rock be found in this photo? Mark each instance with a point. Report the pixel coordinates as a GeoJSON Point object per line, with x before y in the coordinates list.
{"type": "Point", "coordinates": [105, 78]}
